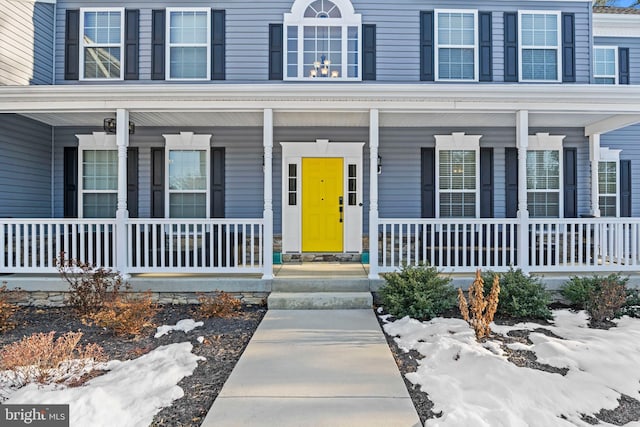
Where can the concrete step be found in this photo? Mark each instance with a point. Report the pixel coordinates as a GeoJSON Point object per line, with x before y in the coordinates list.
{"type": "Point", "coordinates": [320, 284]}
{"type": "Point", "coordinates": [319, 300]}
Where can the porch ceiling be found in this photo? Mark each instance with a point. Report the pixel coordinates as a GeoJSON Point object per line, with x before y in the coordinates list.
{"type": "Point", "coordinates": [598, 109]}
{"type": "Point", "coordinates": [189, 119]}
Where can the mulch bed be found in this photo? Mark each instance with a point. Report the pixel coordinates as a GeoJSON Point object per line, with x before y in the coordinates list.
{"type": "Point", "coordinates": [224, 342]}
{"type": "Point", "coordinates": [628, 409]}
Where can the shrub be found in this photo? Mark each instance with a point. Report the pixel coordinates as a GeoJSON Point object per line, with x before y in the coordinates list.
{"type": "Point", "coordinates": [632, 305]}
{"type": "Point", "coordinates": [606, 300]}
{"type": "Point", "coordinates": [482, 308]}
{"type": "Point", "coordinates": [43, 358]}
{"type": "Point", "coordinates": [521, 295]}
{"type": "Point", "coordinates": [578, 290]}
{"type": "Point", "coordinates": [8, 307]}
{"type": "Point", "coordinates": [219, 305]}
{"type": "Point", "coordinates": [127, 314]}
{"type": "Point", "coordinates": [602, 297]}
{"type": "Point", "coordinates": [89, 287]}
{"type": "Point", "coordinates": [417, 291]}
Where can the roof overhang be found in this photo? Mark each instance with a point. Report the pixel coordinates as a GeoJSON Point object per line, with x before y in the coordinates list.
{"type": "Point", "coordinates": [597, 108]}
{"type": "Point", "coordinates": [616, 25]}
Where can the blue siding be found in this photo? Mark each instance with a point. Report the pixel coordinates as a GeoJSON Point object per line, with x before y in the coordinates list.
{"type": "Point", "coordinates": [26, 49]}
{"type": "Point", "coordinates": [633, 43]}
{"type": "Point", "coordinates": [399, 183]}
{"type": "Point", "coordinates": [396, 23]}
{"type": "Point", "coordinates": [25, 168]}
{"type": "Point", "coordinates": [628, 140]}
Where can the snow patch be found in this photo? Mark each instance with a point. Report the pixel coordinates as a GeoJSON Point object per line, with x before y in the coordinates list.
{"type": "Point", "coordinates": [130, 394]}
{"type": "Point", "coordinates": [185, 325]}
{"type": "Point", "coordinates": [473, 384]}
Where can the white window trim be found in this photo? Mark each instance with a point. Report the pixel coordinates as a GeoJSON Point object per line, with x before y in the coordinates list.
{"type": "Point", "coordinates": [558, 47]}
{"type": "Point", "coordinates": [93, 142]}
{"type": "Point", "coordinates": [84, 45]}
{"type": "Point", "coordinates": [615, 60]}
{"type": "Point", "coordinates": [545, 142]}
{"type": "Point", "coordinates": [296, 19]}
{"type": "Point", "coordinates": [608, 155]}
{"type": "Point", "coordinates": [187, 141]}
{"type": "Point", "coordinates": [169, 45]}
{"type": "Point", "coordinates": [455, 142]}
{"type": "Point", "coordinates": [439, 45]}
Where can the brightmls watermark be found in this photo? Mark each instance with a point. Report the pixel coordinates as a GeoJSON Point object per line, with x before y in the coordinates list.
{"type": "Point", "coordinates": [34, 415]}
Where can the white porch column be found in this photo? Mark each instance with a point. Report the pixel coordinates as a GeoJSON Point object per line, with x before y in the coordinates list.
{"type": "Point", "coordinates": [122, 214]}
{"type": "Point", "coordinates": [594, 157]}
{"type": "Point", "coordinates": [373, 192]}
{"type": "Point", "coordinates": [267, 214]}
{"type": "Point", "coordinates": [522, 142]}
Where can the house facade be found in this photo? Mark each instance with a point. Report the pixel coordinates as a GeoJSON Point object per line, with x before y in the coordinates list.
{"type": "Point", "coordinates": [219, 136]}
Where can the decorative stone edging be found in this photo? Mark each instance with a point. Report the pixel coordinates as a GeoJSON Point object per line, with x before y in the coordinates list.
{"type": "Point", "coordinates": [57, 299]}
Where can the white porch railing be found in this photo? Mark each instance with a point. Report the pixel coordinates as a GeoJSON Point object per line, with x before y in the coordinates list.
{"type": "Point", "coordinates": [610, 244]}
{"type": "Point", "coordinates": [451, 245]}
{"type": "Point", "coordinates": [32, 245]}
{"type": "Point", "coordinates": [555, 245]}
{"type": "Point", "coordinates": [202, 246]}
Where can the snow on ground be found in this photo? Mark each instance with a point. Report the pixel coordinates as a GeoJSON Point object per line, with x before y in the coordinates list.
{"type": "Point", "coordinates": [474, 384]}
{"type": "Point", "coordinates": [184, 325]}
{"type": "Point", "coordinates": [130, 394]}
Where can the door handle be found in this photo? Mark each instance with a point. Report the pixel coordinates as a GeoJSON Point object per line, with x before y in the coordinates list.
{"type": "Point", "coordinates": [341, 211]}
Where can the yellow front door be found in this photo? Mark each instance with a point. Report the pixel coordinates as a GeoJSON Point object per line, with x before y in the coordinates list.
{"type": "Point", "coordinates": [322, 219]}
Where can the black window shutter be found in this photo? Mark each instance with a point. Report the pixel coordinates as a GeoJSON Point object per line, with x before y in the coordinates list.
{"type": "Point", "coordinates": [570, 183]}
{"type": "Point", "coordinates": [72, 45]}
{"type": "Point", "coordinates": [217, 44]}
{"type": "Point", "coordinates": [70, 182]}
{"type": "Point", "coordinates": [131, 43]}
{"type": "Point", "coordinates": [511, 182]}
{"type": "Point", "coordinates": [486, 46]}
{"type": "Point", "coordinates": [217, 182]}
{"type": "Point", "coordinates": [625, 188]}
{"type": "Point", "coordinates": [157, 44]}
{"type": "Point", "coordinates": [510, 47]}
{"type": "Point", "coordinates": [132, 181]}
{"type": "Point", "coordinates": [276, 58]}
{"type": "Point", "coordinates": [568, 48]}
{"type": "Point", "coordinates": [426, 46]}
{"type": "Point", "coordinates": [157, 182]}
{"type": "Point", "coordinates": [486, 182]}
{"type": "Point", "coordinates": [368, 52]}
{"type": "Point", "coordinates": [428, 182]}
{"type": "Point", "coordinates": [623, 66]}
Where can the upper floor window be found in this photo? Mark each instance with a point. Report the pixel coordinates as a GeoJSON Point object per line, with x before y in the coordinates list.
{"type": "Point", "coordinates": [189, 44]}
{"type": "Point", "coordinates": [456, 45]}
{"type": "Point", "coordinates": [605, 65]}
{"type": "Point", "coordinates": [101, 48]}
{"type": "Point", "coordinates": [539, 46]}
{"type": "Point", "coordinates": [322, 40]}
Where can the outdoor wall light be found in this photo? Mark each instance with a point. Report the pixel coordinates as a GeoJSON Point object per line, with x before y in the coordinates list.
{"type": "Point", "coordinates": [109, 126]}
{"type": "Point", "coordinates": [379, 165]}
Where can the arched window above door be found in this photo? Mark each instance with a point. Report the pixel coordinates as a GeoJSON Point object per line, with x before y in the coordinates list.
{"type": "Point", "coordinates": [323, 41]}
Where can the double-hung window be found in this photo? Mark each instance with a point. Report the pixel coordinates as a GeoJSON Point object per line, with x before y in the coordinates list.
{"type": "Point", "coordinates": [605, 65]}
{"type": "Point", "coordinates": [457, 177]}
{"type": "Point", "coordinates": [543, 183]}
{"type": "Point", "coordinates": [456, 52]}
{"type": "Point", "coordinates": [189, 44]}
{"type": "Point", "coordinates": [101, 43]}
{"type": "Point", "coordinates": [188, 183]}
{"type": "Point", "coordinates": [322, 41]}
{"type": "Point", "coordinates": [539, 46]}
{"type": "Point", "coordinates": [608, 182]}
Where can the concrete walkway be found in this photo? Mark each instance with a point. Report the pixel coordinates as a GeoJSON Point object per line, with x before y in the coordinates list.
{"type": "Point", "coordinates": [315, 368]}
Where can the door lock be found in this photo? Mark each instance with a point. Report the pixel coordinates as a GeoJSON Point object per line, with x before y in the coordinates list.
{"type": "Point", "coordinates": [340, 208]}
